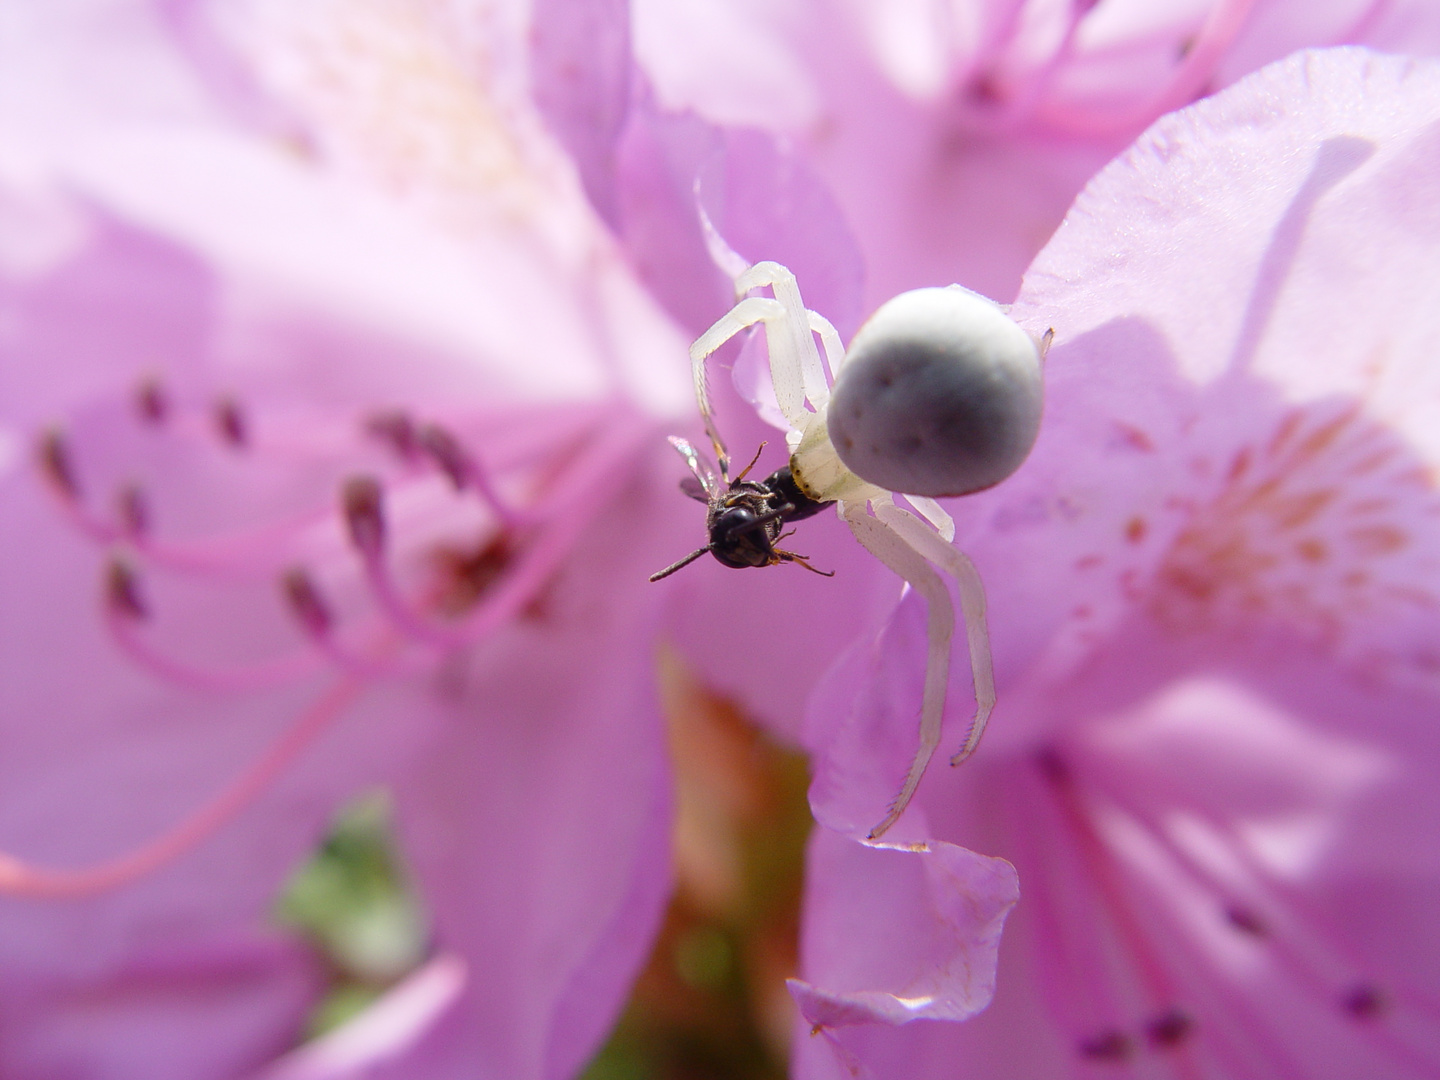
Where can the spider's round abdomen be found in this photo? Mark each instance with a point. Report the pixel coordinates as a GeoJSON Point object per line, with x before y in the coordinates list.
{"type": "Point", "coordinates": [940, 394]}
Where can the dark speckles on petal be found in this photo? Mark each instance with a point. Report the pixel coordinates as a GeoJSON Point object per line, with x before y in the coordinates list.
{"type": "Point", "coordinates": [152, 403]}
{"type": "Point", "coordinates": [52, 456]}
{"type": "Point", "coordinates": [1364, 1001]}
{"type": "Point", "coordinates": [230, 423]}
{"type": "Point", "coordinates": [1246, 921]}
{"type": "Point", "coordinates": [1113, 1046]}
{"type": "Point", "coordinates": [1170, 1029]}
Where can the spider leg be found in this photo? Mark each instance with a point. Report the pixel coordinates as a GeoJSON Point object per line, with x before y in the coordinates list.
{"type": "Point", "coordinates": [829, 340]}
{"type": "Point", "coordinates": [895, 551]}
{"type": "Point", "coordinates": [794, 360]}
{"type": "Point", "coordinates": [934, 513]}
{"type": "Point", "coordinates": [744, 314]}
{"type": "Point", "coordinates": [972, 605]}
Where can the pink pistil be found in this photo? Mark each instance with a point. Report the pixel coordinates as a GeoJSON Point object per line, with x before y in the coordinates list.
{"type": "Point", "coordinates": [1219, 31]}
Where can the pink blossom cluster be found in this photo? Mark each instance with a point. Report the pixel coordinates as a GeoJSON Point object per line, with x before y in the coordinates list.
{"type": "Point", "coordinates": [338, 344]}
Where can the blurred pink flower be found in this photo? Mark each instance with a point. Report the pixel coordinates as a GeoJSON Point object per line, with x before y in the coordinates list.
{"type": "Point", "coordinates": [255, 251]}
{"type": "Point", "coordinates": [1214, 593]}
{"type": "Point", "coordinates": [955, 133]}
{"type": "Point", "coordinates": [328, 457]}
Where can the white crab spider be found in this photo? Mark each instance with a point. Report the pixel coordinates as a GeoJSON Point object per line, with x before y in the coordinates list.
{"type": "Point", "coordinates": [938, 395]}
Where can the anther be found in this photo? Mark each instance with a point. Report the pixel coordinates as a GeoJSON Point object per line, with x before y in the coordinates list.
{"type": "Point", "coordinates": [152, 403]}
{"type": "Point", "coordinates": [445, 450]}
{"type": "Point", "coordinates": [306, 602]}
{"type": "Point", "coordinates": [394, 428]}
{"type": "Point", "coordinates": [1246, 921]}
{"type": "Point", "coordinates": [1053, 766]}
{"type": "Point", "coordinates": [122, 591]}
{"type": "Point", "coordinates": [230, 422]}
{"type": "Point", "coordinates": [363, 505]}
{"type": "Point", "coordinates": [1108, 1046]}
{"type": "Point", "coordinates": [1364, 1001]}
{"type": "Point", "coordinates": [133, 510]}
{"type": "Point", "coordinates": [463, 471]}
{"type": "Point", "coordinates": [1169, 1029]}
{"type": "Point", "coordinates": [52, 455]}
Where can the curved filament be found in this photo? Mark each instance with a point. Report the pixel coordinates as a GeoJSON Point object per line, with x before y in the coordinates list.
{"type": "Point", "coordinates": [18, 878]}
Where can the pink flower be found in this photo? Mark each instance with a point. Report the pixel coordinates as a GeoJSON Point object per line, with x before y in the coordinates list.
{"type": "Point", "coordinates": [1213, 596]}
{"type": "Point", "coordinates": [328, 457]}
{"type": "Point", "coordinates": [955, 133]}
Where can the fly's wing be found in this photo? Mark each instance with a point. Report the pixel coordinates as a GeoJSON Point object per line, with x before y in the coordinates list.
{"type": "Point", "coordinates": [702, 484]}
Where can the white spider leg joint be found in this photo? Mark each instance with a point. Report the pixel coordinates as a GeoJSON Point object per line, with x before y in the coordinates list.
{"type": "Point", "coordinates": [939, 394]}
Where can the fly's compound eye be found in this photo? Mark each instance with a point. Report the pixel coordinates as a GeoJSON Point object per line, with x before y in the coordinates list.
{"type": "Point", "coordinates": [940, 394]}
{"type": "Point", "coordinates": [739, 539]}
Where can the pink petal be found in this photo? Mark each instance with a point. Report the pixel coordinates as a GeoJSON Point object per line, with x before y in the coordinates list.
{"type": "Point", "coordinates": [540, 827]}
{"type": "Point", "coordinates": [1212, 607]}
{"type": "Point", "coordinates": [182, 1013]}
{"type": "Point", "coordinates": [916, 941]}
{"type": "Point", "coordinates": [383, 1031]}
{"type": "Point", "coordinates": [893, 935]}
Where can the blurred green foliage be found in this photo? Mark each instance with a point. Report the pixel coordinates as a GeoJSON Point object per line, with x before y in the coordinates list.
{"type": "Point", "coordinates": [711, 1002]}
{"type": "Point", "coordinates": [353, 902]}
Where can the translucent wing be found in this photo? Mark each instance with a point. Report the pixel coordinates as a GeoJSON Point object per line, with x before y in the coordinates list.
{"type": "Point", "coordinates": [704, 474]}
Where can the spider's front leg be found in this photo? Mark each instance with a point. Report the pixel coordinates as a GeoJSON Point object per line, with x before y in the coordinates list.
{"type": "Point", "coordinates": [938, 549]}
{"type": "Point", "coordinates": [904, 543]}
{"type": "Point", "coordinates": [794, 360]}
{"type": "Point", "coordinates": [742, 316]}
{"type": "Point", "coordinates": [882, 540]}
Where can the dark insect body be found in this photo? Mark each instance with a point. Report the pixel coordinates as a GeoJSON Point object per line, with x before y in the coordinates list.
{"type": "Point", "coordinates": [744, 518]}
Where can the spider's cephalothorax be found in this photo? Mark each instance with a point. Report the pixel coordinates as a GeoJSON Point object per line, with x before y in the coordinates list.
{"type": "Point", "coordinates": [939, 394]}
{"type": "Point", "coordinates": [744, 517]}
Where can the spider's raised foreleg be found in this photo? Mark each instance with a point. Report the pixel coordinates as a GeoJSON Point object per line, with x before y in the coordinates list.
{"type": "Point", "coordinates": [742, 316]}
{"type": "Point", "coordinates": [957, 564]}
{"type": "Point", "coordinates": [830, 339]}
{"type": "Point", "coordinates": [795, 368]}
{"type": "Point", "coordinates": [881, 539]}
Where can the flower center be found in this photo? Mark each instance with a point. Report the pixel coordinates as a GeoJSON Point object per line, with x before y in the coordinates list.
{"type": "Point", "coordinates": [1314, 530]}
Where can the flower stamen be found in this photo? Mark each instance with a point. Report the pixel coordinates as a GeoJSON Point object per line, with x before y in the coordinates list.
{"type": "Point", "coordinates": [1298, 952]}
{"type": "Point", "coordinates": [230, 423]}
{"type": "Point", "coordinates": [152, 403]}
{"type": "Point", "coordinates": [125, 608]}
{"type": "Point", "coordinates": [462, 469]}
{"type": "Point", "coordinates": [18, 878]}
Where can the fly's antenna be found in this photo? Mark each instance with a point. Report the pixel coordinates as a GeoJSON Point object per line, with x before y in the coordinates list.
{"type": "Point", "coordinates": [686, 561]}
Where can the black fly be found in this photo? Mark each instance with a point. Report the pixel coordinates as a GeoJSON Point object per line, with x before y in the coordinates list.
{"type": "Point", "coordinates": [744, 517]}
